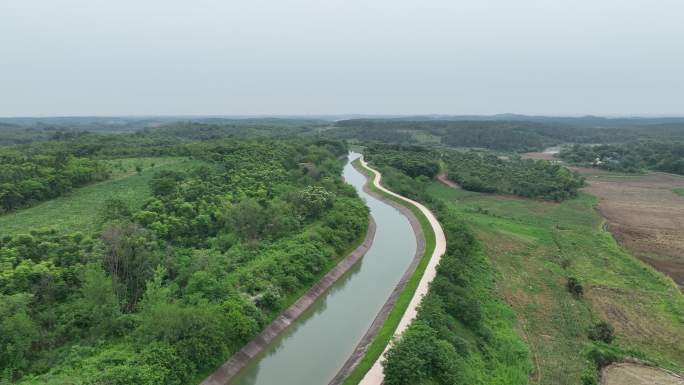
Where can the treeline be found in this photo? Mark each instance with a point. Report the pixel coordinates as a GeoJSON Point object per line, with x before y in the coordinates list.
{"type": "Point", "coordinates": [26, 179]}
{"type": "Point", "coordinates": [415, 161]}
{"type": "Point", "coordinates": [629, 157]}
{"type": "Point", "coordinates": [489, 173]}
{"type": "Point", "coordinates": [163, 293]}
{"type": "Point", "coordinates": [501, 133]}
{"type": "Point", "coordinates": [462, 333]}
{"type": "Point", "coordinates": [28, 130]}
{"type": "Point", "coordinates": [42, 170]}
{"type": "Point", "coordinates": [409, 166]}
{"type": "Point", "coordinates": [496, 135]}
{"type": "Point", "coordinates": [506, 135]}
{"type": "Point", "coordinates": [10, 134]}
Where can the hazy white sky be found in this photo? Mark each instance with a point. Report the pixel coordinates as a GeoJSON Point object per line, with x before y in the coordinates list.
{"type": "Point", "coordinates": [133, 57]}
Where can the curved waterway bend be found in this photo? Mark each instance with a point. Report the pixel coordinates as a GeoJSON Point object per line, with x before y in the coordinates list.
{"type": "Point", "coordinates": [318, 343]}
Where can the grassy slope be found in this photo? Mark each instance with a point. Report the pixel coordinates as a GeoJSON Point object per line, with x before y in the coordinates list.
{"type": "Point", "coordinates": [386, 331]}
{"type": "Point", "coordinates": [535, 246]}
{"type": "Point", "coordinates": [679, 191]}
{"type": "Point", "coordinates": [79, 211]}
{"type": "Point", "coordinates": [501, 358]}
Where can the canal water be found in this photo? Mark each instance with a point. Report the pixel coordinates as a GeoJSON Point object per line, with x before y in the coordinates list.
{"type": "Point", "coordinates": [318, 343]}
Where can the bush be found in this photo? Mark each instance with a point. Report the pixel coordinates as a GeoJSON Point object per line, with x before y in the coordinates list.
{"type": "Point", "coordinates": [589, 378]}
{"type": "Point", "coordinates": [603, 332]}
{"type": "Point", "coordinates": [575, 287]}
{"type": "Point", "coordinates": [421, 354]}
{"type": "Point", "coordinates": [603, 355]}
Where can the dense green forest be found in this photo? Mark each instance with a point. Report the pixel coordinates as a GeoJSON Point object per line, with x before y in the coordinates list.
{"type": "Point", "coordinates": [165, 292]}
{"type": "Point", "coordinates": [29, 178]}
{"type": "Point", "coordinates": [415, 161]}
{"type": "Point", "coordinates": [499, 132]}
{"type": "Point", "coordinates": [506, 133]}
{"type": "Point", "coordinates": [247, 214]}
{"type": "Point", "coordinates": [162, 129]}
{"type": "Point", "coordinates": [483, 172]}
{"type": "Point", "coordinates": [629, 157]}
{"type": "Point", "coordinates": [10, 134]}
{"type": "Point", "coordinates": [475, 171]}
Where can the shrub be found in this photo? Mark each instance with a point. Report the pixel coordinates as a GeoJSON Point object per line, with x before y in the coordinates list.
{"type": "Point", "coordinates": [603, 332]}
{"type": "Point", "coordinates": [603, 355]}
{"type": "Point", "coordinates": [575, 287]}
{"type": "Point", "coordinates": [420, 354]}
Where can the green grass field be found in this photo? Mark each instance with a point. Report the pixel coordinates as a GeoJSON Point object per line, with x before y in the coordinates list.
{"type": "Point", "coordinates": [535, 246]}
{"type": "Point", "coordinates": [80, 210]}
{"type": "Point", "coordinates": [679, 191]}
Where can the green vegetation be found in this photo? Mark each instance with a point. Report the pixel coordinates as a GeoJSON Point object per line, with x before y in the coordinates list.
{"type": "Point", "coordinates": [529, 178]}
{"type": "Point", "coordinates": [489, 134]}
{"type": "Point", "coordinates": [413, 160]}
{"type": "Point", "coordinates": [629, 157]}
{"type": "Point", "coordinates": [475, 171]}
{"type": "Point", "coordinates": [603, 332]}
{"type": "Point", "coordinates": [386, 331]}
{"type": "Point", "coordinates": [679, 191]}
{"type": "Point", "coordinates": [149, 257]}
{"type": "Point", "coordinates": [505, 133]}
{"type": "Point", "coordinates": [536, 247]}
{"type": "Point", "coordinates": [10, 134]}
{"type": "Point", "coordinates": [82, 209]}
{"type": "Point", "coordinates": [177, 263]}
{"type": "Point", "coordinates": [463, 333]}
{"type": "Point", "coordinates": [575, 287]}
{"type": "Point", "coordinates": [536, 256]}
{"type": "Point", "coordinates": [28, 130]}
{"type": "Point", "coordinates": [29, 178]}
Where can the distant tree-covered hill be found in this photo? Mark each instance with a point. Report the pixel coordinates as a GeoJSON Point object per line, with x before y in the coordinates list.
{"type": "Point", "coordinates": [507, 135]}
{"type": "Point", "coordinates": [629, 157]}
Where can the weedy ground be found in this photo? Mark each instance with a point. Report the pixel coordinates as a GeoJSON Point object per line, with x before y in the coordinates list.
{"type": "Point", "coordinates": [536, 246]}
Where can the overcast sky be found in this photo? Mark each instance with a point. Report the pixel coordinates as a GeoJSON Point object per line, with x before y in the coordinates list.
{"type": "Point", "coordinates": [139, 57]}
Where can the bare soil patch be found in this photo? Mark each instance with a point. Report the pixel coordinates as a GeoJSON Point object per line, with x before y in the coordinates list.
{"type": "Point", "coordinates": [644, 215]}
{"type": "Point", "coordinates": [539, 156]}
{"type": "Point", "coordinates": [444, 179]}
{"type": "Point", "coordinates": [634, 374]}
{"type": "Point", "coordinates": [548, 154]}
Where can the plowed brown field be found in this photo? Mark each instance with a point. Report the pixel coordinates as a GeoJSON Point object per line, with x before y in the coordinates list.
{"type": "Point", "coordinates": [644, 215]}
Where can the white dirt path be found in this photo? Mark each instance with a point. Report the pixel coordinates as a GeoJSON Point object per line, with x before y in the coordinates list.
{"type": "Point", "coordinates": [375, 375]}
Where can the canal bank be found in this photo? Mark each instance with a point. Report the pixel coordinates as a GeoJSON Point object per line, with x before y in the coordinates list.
{"type": "Point", "coordinates": [416, 288]}
{"type": "Point", "coordinates": [312, 348]}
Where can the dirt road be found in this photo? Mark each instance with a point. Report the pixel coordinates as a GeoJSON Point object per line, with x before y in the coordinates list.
{"type": "Point", "coordinates": [444, 179]}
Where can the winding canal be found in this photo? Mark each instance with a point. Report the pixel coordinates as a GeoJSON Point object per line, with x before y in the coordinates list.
{"type": "Point", "coordinates": [318, 343]}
